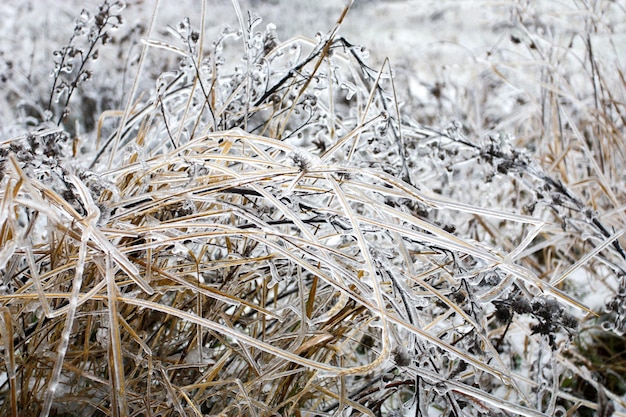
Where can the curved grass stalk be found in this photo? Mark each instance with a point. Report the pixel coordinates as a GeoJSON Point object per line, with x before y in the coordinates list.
{"type": "Point", "coordinates": [92, 215]}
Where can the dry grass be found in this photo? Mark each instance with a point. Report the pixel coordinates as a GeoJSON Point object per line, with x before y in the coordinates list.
{"type": "Point", "coordinates": [276, 238]}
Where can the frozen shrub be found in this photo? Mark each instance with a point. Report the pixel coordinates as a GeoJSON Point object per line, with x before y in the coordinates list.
{"type": "Point", "coordinates": [271, 235]}
{"type": "Point", "coordinates": [71, 62]}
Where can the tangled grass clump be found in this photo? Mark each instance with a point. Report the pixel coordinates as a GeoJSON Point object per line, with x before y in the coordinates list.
{"type": "Point", "coordinates": [274, 237]}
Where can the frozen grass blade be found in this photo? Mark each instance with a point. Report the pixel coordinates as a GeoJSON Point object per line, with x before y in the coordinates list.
{"type": "Point", "coordinates": [584, 259]}
{"type": "Point", "coordinates": [70, 315]}
{"type": "Point", "coordinates": [281, 237]}
{"type": "Point", "coordinates": [133, 90]}
{"type": "Point", "coordinates": [6, 321]}
{"type": "Point", "coordinates": [118, 384]}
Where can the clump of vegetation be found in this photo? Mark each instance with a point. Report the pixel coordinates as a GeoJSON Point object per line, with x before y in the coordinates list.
{"type": "Point", "coordinates": [274, 236]}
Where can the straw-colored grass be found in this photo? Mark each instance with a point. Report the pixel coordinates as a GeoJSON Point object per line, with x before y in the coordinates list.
{"type": "Point", "coordinates": [276, 238]}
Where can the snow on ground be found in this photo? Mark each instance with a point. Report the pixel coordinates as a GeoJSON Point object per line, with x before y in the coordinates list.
{"type": "Point", "coordinates": [431, 45]}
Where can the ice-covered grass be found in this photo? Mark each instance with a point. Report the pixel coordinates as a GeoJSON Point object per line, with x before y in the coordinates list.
{"type": "Point", "coordinates": [278, 227]}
